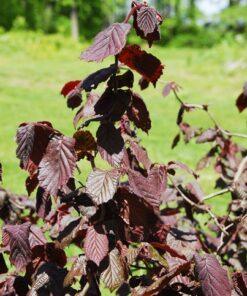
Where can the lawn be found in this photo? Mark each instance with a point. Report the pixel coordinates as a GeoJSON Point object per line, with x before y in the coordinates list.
{"type": "Point", "coordinates": [33, 68]}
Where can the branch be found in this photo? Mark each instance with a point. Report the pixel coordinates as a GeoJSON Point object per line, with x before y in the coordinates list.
{"type": "Point", "coordinates": [214, 194]}
{"type": "Point", "coordinates": [241, 168]}
{"type": "Point", "coordinates": [200, 207]}
{"type": "Point", "coordinates": [205, 108]}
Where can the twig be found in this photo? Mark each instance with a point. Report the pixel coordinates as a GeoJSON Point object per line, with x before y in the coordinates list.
{"type": "Point", "coordinates": [205, 108]}
{"type": "Point", "coordinates": [241, 169]}
{"type": "Point", "coordinates": [200, 207]}
{"type": "Point", "coordinates": [214, 194]}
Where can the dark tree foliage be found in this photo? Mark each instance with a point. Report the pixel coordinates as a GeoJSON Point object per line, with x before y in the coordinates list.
{"type": "Point", "coordinates": [136, 223]}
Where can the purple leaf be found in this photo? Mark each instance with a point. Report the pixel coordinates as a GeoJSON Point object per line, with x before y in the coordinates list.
{"type": "Point", "coordinates": [170, 86]}
{"type": "Point", "coordinates": [114, 159]}
{"type": "Point", "coordinates": [113, 276]}
{"type": "Point", "coordinates": [101, 185]}
{"type": "Point", "coordinates": [43, 203]}
{"type": "Point", "coordinates": [241, 102]}
{"type": "Point", "coordinates": [150, 188]}
{"type": "Point", "coordinates": [143, 83]}
{"type": "Point", "coordinates": [138, 113]}
{"type": "Point", "coordinates": [126, 79]}
{"type": "Point", "coordinates": [32, 140]}
{"type": "Point", "coordinates": [109, 138]}
{"type": "Point", "coordinates": [74, 100]}
{"type": "Point", "coordinates": [208, 135]}
{"type": "Point", "coordinates": [141, 155]}
{"type": "Point", "coordinates": [146, 23]}
{"type": "Point", "coordinates": [108, 42]}
{"type": "Point", "coordinates": [96, 244]}
{"type": "Point", "coordinates": [36, 237]}
{"type": "Point", "coordinates": [147, 20]}
{"type": "Point", "coordinates": [240, 283]}
{"type": "Point", "coordinates": [93, 80]}
{"type": "Point", "coordinates": [212, 276]}
{"type": "Point", "coordinates": [57, 165]}
{"type": "Point", "coordinates": [113, 104]}
{"type": "Point", "coordinates": [17, 237]}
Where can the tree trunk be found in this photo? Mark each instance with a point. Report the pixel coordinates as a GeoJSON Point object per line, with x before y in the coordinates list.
{"type": "Point", "coordinates": [192, 11]}
{"type": "Point", "coordinates": [74, 22]}
{"type": "Point", "coordinates": [233, 2]}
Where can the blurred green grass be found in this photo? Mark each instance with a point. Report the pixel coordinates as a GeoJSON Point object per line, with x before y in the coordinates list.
{"type": "Point", "coordinates": [34, 67]}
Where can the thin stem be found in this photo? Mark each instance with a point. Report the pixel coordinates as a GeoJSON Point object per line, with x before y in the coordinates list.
{"type": "Point", "coordinates": [214, 194]}
{"type": "Point", "coordinates": [114, 75]}
{"type": "Point", "coordinates": [34, 234]}
{"type": "Point", "coordinates": [132, 11]}
{"type": "Point", "coordinates": [241, 169]}
{"type": "Point", "coordinates": [205, 108]}
{"type": "Point", "coordinates": [200, 207]}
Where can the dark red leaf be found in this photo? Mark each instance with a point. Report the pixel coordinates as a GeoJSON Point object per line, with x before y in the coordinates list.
{"type": "Point", "coordinates": [109, 138]}
{"type": "Point", "coordinates": [180, 115]}
{"type": "Point", "coordinates": [150, 188]}
{"type": "Point", "coordinates": [141, 155]}
{"type": "Point", "coordinates": [108, 42]}
{"type": "Point", "coordinates": [144, 83]}
{"type": "Point", "coordinates": [31, 183]}
{"type": "Point", "coordinates": [69, 86]}
{"type": "Point", "coordinates": [32, 140]}
{"type": "Point", "coordinates": [50, 253]}
{"type": "Point", "coordinates": [212, 276]}
{"type": "Point", "coordinates": [144, 63]}
{"type": "Point", "coordinates": [113, 104]}
{"type": "Point", "coordinates": [175, 141]}
{"type": "Point", "coordinates": [58, 164]}
{"type": "Point", "coordinates": [163, 281]}
{"type": "Point", "coordinates": [74, 100]}
{"type": "Point", "coordinates": [3, 266]}
{"type": "Point", "coordinates": [96, 244]}
{"type": "Point", "coordinates": [241, 102]}
{"type": "Point", "coordinates": [124, 80]}
{"type": "Point", "coordinates": [17, 238]}
{"type": "Point", "coordinates": [84, 143]}
{"type": "Point", "coordinates": [43, 203]}
{"type": "Point", "coordinates": [138, 113]}
{"type": "Point", "coordinates": [240, 283]}
{"type": "Point", "coordinates": [93, 80]}
{"type": "Point", "coordinates": [136, 213]}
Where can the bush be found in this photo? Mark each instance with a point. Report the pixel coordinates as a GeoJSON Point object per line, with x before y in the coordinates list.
{"type": "Point", "coordinates": [136, 223]}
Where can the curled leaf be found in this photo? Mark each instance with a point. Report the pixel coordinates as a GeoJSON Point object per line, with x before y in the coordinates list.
{"type": "Point", "coordinates": [144, 63]}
